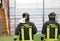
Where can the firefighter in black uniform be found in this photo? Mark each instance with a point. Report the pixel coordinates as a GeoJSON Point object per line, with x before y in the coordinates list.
{"type": "Point", "coordinates": [23, 29]}
{"type": "Point", "coordinates": [51, 29]}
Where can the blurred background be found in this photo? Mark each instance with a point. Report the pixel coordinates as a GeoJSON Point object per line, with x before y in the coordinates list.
{"type": "Point", "coordinates": [11, 12]}
{"type": "Point", "coordinates": [38, 13]}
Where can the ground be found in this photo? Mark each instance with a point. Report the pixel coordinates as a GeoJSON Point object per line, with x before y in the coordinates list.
{"type": "Point", "coordinates": [10, 38]}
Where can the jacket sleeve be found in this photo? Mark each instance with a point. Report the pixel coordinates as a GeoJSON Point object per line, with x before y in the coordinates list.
{"type": "Point", "coordinates": [44, 29]}
{"type": "Point", "coordinates": [34, 29]}
{"type": "Point", "coordinates": [17, 30]}
{"type": "Point", "coordinates": [59, 30]}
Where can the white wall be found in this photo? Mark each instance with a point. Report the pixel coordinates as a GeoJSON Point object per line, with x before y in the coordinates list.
{"type": "Point", "coordinates": [29, 3]}
{"type": "Point", "coordinates": [11, 3]}
{"type": "Point", "coordinates": [52, 3]}
{"type": "Point", "coordinates": [37, 3]}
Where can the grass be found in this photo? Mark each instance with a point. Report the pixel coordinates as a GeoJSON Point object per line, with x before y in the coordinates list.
{"type": "Point", "coordinates": [10, 38]}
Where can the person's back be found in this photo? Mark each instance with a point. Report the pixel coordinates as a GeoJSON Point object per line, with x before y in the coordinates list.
{"type": "Point", "coordinates": [49, 28]}
{"type": "Point", "coordinates": [25, 24]}
{"type": "Point", "coordinates": [52, 31]}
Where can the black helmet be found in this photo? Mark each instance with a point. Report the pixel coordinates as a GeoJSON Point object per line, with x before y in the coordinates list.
{"type": "Point", "coordinates": [26, 15]}
{"type": "Point", "coordinates": [52, 16]}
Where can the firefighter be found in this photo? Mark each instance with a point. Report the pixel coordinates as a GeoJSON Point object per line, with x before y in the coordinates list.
{"type": "Point", "coordinates": [25, 29]}
{"type": "Point", "coordinates": [50, 29]}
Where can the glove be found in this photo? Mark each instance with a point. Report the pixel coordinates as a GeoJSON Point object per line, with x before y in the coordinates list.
{"type": "Point", "coordinates": [42, 38]}
{"type": "Point", "coordinates": [15, 39]}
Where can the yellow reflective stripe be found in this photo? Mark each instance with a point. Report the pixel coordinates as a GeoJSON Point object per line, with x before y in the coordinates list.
{"type": "Point", "coordinates": [51, 39]}
{"type": "Point", "coordinates": [48, 32]}
{"type": "Point", "coordinates": [42, 35]}
{"type": "Point", "coordinates": [22, 31]}
{"type": "Point", "coordinates": [30, 33]}
{"type": "Point", "coordinates": [56, 33]}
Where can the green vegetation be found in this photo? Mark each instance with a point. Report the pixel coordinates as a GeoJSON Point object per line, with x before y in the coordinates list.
{"type": "Point", "coordinates": [10, 38]}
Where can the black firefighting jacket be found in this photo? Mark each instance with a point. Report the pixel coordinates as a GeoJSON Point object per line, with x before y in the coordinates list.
{"type": "Point", "coordinates": [52, 31]}
{"type": "Point", "coordinates": [26, 31]}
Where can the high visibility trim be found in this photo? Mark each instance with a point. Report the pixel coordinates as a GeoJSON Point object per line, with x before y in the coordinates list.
{"type": "Point", "coordinates": [56, 33]}
{"type": "Point", "coordinates": [42, 35]}
{"type": "Point", "coordinates": [30, 33]}
{"type": "Point", "coordinates": [22, 31]}
{"type": "Point", "coordinates": [48, 31]}
{"type": "Point", "coordinates": [51, 39]}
